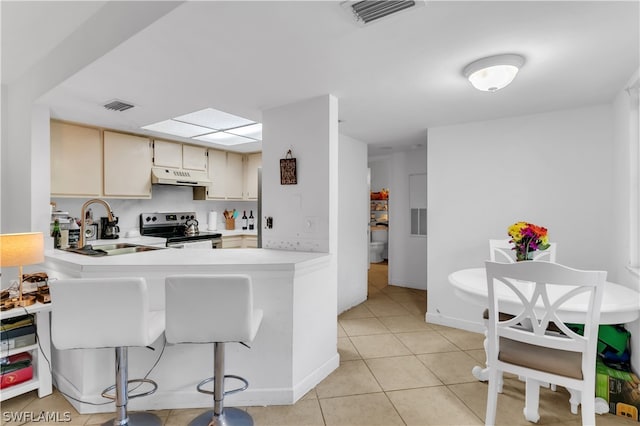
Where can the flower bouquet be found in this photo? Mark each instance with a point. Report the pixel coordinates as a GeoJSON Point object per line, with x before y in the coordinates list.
{"type": "Point", "coordinates": [527, 238]}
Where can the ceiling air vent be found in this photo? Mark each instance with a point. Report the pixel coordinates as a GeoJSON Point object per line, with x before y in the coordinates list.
{"type": "Point", "coordinates": [367, 11]}
{"type": "Point", "coordinates": [116, 105]}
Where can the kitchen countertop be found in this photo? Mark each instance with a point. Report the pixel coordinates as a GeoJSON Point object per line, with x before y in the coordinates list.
{"type": "Point", "coordinates": [250, 258]}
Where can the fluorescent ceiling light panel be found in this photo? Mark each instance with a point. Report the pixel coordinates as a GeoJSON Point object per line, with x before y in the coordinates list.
{"type": "Point", "coordinates": [177, 128]}
{"type": "Point", "coordinates": [214, 119]}
{"type": "Point", "coordinates": [223, 138]}
{"type": "Point", "coordinates": [253, 131]}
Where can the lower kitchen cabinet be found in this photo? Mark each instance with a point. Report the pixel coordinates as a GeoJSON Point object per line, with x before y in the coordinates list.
{"type": "Point", "coordinates": [250, 241]}
{"type": "Point", "coordinates": [240, 241]}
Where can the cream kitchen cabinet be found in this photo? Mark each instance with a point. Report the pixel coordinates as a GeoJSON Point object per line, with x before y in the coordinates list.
{"type": "Point", "coordinates": [234, 241]}
{"type": "Point", "coordinates": [76, 160]}
{"type": "Point", "coordinates": [167, 154]}
{"type": "Point", "coordinates": [239, 241]}
{"type": "Point", "coordinates": [194, 157]}
{"type": "Point", "coordinates": [217, 173]}
{"type": "Point", "coordinates": [233, 176]}
{"type": "Point", "coordinates": [90, 162]}
{"type": "Point", "coordinates": [127, 165]}
{"type": "Point", "coordinates": [176, 155]}
{"type": "Point", "coordinates": [249, 241]}
{"type": "Point", "coordinates": [251, 165]}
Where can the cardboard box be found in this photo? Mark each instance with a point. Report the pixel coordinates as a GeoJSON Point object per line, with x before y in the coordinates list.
{"type": "Point", "coordinates": [620, 389]}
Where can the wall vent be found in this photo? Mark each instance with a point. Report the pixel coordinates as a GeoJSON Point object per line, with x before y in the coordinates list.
{"type": "Point", "coordinates": [116, 105]}
{"type": "Point", "coordinates": [368, 11]}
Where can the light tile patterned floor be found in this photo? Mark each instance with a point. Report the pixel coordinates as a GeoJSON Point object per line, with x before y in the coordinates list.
{"type": "Point", "coordinates": [395, 370]}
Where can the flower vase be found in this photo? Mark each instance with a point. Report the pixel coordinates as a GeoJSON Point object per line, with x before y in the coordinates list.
{"type": "Point", "coordinates": [522, 256]}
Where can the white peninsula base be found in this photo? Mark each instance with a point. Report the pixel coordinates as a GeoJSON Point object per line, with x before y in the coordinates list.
{"type": "Point", "coordinates": [295, 348]}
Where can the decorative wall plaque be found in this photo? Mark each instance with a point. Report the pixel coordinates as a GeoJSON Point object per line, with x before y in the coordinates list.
{"type": "Point", "coordinates": [288, 170]}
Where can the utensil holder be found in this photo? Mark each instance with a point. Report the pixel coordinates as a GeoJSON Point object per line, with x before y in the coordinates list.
{"type": "Point", "coordinates": [230, 224]}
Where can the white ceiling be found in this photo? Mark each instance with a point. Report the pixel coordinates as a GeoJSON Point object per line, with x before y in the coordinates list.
{"type": "Point", "coordinates": [393, 78]}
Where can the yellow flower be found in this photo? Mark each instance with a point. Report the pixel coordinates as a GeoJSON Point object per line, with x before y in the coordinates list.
{"type": "Point", "coordinates": [515, 230]}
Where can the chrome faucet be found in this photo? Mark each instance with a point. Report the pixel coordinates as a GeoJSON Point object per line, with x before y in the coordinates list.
{"type": "Point", "coordinates": [83, 212]}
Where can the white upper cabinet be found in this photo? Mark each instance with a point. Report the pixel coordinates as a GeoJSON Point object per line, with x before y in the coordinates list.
{"type": "Point", "coordinates": [167, 154]}
{"type": "Point", "coordinates": [127, 165]}
{"type": "Point", "coordinates": [76, 160]}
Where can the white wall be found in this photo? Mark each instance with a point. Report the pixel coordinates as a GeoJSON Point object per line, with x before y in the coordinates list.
{"type": "Point", "coordinates": [624, 153]}
{"type": "Point", "coordinates": [301, 212]}
{"type": "Point", "coordinates": [407, 253]}
{"type": "Point", "coordinates": [380, 176]}
{"type": "Point", "coordinates": [353, 204]}
{"type": "Point", "coordinates": [553, 169]}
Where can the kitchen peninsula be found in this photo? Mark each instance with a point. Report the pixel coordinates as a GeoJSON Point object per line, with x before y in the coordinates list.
{"type": "Point", "coordinates": [295, 348]}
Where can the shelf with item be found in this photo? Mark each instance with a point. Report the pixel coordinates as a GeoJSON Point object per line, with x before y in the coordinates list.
{"type": "Point", "coordinates": [379, 211]}
{"type": "Point", "coordinates": [25, 340]}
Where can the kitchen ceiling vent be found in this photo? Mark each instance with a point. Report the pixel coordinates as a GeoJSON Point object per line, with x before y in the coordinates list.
{"type": "Point", "coordinates": [117, 105]}
{"type": "Point", "coordinates": [367, 11]}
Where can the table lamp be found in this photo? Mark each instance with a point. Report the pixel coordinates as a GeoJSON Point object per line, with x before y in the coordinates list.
{"type": "Point", "coordinates": [21, 249]}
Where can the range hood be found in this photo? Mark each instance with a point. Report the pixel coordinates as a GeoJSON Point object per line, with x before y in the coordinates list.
{"type": "Point", "coordinates": [182, 177]}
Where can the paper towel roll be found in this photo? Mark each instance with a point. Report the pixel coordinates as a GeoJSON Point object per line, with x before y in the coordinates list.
{"type": "Point", "coordinates": [212, 224]}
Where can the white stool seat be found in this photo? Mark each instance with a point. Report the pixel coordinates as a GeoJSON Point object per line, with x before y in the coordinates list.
{"type": "Point", "coordinates": [103, 313]}
{"type": "Point", "coordinates": [90, 313]}
{"type": "Point", "coordinates": [214, 309]}
{"type": "Point", "coordinates": [210, 308]}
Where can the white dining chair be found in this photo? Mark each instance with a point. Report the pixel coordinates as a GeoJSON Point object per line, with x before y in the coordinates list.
{"type": "Point", "coordinates": [533, 292]}
{"type": "Point", "coordinates": [502, 250]}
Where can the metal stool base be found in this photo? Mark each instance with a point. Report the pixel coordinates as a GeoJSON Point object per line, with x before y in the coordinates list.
{"type": "Point", "coordinates": [230, 417]}
{"type": "Point", "coordinates": [138, 419]}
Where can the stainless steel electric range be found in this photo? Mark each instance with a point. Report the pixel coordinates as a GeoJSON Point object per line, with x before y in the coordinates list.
{"type": "Point", "coordinates": [179, 228]}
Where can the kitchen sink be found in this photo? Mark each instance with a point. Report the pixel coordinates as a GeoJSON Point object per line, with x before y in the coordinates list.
{"type": "Point", "coordinates": [111, 249]}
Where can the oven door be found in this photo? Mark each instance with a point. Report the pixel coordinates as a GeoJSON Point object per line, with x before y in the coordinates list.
{"type": "Point", "coordinates": [201, 244]}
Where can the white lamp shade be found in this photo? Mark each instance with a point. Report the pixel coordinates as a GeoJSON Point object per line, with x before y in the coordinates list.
{"type": "Point", "coordinates": [493, 73]}
{"type": "Point", "coordinates": [21, 249]}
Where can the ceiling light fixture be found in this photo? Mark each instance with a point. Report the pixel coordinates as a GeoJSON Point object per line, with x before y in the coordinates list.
{"type": "Point", "coordinates": [494, 72]}
{"type": "Point", "coordinates": [211, 125]}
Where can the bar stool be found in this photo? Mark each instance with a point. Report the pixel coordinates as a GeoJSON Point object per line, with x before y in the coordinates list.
{"type": "Point", "coordinates": [213, 309]}
{"type": "Point", "coordinates": [89, 313]}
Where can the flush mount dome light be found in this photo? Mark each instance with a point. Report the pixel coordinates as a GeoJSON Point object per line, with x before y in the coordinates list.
{"type": "Point", "coordinates": [494, 72]}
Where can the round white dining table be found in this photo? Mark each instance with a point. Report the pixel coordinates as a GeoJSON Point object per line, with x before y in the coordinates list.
{"type": "Point", "coordinates": [619, 305]}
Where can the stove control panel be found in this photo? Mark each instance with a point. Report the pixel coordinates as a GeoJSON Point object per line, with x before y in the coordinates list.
{"type": "Point", "coordinates": [165, 218]}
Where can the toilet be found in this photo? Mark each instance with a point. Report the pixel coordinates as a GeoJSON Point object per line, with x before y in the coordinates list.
{"type": "Point", "coordinates": [378, 244]}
